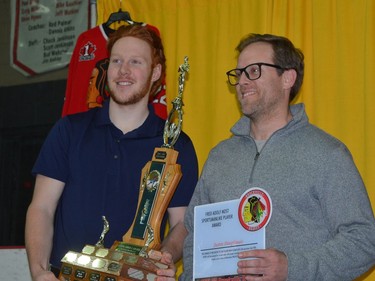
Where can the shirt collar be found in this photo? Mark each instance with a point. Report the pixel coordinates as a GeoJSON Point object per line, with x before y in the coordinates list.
{"type": "Point", "coordinates": [242, 126]}
{"type": "Point", "coordinates": [153, 125]}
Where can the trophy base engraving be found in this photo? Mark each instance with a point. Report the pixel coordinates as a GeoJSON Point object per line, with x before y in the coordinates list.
{"type": "Point", "coordinates": [124, 247]}
{"type": "Point", "coordinates": [100, 264]}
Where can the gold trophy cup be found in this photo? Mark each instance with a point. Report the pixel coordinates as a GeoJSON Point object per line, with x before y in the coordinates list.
{"type": "Point", "coordinates": [135, 257]}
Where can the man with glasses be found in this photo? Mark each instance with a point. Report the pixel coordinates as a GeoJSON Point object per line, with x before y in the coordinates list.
{"type": "Point", "coordinates": [322, 225]}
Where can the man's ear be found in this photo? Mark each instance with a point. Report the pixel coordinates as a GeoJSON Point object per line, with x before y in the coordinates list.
{"type": "Point", "coordinates": [156, 72]}
{"type": "Point", "coordinates": [289, 78]}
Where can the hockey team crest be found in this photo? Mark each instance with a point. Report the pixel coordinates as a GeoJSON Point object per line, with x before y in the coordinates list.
{"type": "Point", "coordinates": [87, 52]}
{"type": "Point", "coordinates": [255, 209]}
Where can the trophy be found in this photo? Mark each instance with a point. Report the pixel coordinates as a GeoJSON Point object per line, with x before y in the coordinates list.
{"type": "Point", "coordinates": [136, 257]}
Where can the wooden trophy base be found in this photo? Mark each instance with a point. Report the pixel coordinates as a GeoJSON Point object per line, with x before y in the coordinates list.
{"type": "Point", "coordinates": [101, 264]}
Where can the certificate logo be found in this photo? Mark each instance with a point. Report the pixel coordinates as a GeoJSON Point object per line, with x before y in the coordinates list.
{"type": "Point", "coordinates": [255, 208]}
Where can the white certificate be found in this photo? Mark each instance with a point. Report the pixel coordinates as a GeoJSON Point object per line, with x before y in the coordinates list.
{"type": "Point", "coordinates": [222, 230]}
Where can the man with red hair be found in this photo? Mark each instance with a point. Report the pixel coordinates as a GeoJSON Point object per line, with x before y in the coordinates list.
{"type": "Point", "coordinates": [91, 162]}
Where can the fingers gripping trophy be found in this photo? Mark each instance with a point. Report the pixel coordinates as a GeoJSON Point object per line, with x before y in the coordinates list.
{"type": "Point", "coordinates": [130, 258]}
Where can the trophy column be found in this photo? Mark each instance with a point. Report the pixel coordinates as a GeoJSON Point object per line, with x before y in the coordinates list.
{"type": "Point", "coordinates": [159, 181]}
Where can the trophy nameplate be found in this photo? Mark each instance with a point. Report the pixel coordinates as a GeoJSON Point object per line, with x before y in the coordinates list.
{"type": "Point", "coordinates": [131, 258]}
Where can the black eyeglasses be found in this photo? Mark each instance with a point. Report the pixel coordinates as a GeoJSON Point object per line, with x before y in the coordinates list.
{"type": "Point", "coordinates": [252, 72]}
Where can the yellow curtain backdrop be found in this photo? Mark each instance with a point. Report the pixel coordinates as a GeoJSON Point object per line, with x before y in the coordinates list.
{"type": "Point", "coordinates": [337, 38]}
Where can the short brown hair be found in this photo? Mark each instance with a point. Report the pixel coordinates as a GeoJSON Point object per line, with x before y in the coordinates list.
{"type": "Point", "coordinates": [284, 54]}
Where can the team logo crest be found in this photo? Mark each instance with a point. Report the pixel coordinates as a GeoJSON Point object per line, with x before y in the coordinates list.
{"type": "Point", "coordinates": [255, 208]}
{"type": "Point", "coordinates": [87, 52]}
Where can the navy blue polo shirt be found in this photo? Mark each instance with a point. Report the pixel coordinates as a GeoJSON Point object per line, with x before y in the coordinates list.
{"type": "Point", "coordinates": [101, 168]}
